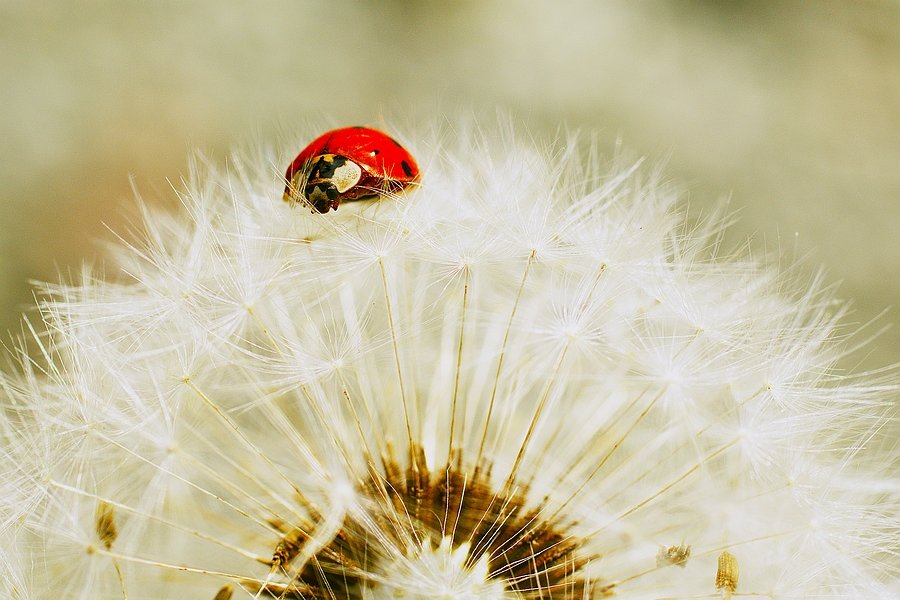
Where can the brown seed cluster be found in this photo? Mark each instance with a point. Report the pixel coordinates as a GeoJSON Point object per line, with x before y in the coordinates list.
{"type": "Point", "coordinates": [416, 507]}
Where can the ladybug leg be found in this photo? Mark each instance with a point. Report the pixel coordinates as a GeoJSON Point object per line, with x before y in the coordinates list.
{"type": "Point", "coordinates": [369, 187]}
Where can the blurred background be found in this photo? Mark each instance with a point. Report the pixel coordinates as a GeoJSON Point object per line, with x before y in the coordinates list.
{"type": "Point", "coordinates": [788, 109]}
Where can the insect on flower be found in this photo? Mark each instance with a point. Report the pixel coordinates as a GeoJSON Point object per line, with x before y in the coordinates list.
{"type": "Point", "coordinates": [471, 400]}
{"type": "Point", "coordinates": [347, 164]}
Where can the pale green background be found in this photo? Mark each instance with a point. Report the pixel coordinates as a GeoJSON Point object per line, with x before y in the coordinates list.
{"type": "Point", "coordinates": [789, 108]}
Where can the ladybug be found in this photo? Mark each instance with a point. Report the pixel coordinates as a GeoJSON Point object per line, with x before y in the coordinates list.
{"type": "Point", "coordinates": [347, 164]}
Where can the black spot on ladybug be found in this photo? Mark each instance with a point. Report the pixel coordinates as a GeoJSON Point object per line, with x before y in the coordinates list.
{"type": "Point", "coordinates": [326, 166]}
{"type": "Point", "coordinates": [406, 168]}
{"type": "Point", "coordinates": [374, 152]}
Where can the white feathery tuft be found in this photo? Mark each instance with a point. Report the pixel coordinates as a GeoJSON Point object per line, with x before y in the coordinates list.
{"type": "Point", "coordinates": [527, 377]}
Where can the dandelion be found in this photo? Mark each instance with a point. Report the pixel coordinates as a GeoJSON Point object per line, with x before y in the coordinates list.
{"type": "Point", "coordinates": [525, 378]}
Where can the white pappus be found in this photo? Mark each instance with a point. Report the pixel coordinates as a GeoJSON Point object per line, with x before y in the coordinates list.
{"type": "Point", "coordinates": [526, 377]}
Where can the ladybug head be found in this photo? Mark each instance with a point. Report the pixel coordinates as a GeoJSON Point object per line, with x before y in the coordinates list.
{"type": "Point", "coordinates": [327, 178]}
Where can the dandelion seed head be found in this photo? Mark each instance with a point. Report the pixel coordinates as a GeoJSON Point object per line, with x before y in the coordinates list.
{"type": "Point", "coordinates": [527, 377]}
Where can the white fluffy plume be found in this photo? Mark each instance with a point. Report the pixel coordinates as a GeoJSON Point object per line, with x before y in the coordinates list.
{"type": "Point", "coordinates": [524, 378]}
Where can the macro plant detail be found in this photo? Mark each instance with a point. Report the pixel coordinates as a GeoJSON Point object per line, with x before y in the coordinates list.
{"type": "Point", "coordinates": [501, 549]}
{"type": "Point", "coordinates": [526, 376]}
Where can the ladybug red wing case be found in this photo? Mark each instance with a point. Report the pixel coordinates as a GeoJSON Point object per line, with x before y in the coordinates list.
{"type": "Point", "coordinates": [347, 164]}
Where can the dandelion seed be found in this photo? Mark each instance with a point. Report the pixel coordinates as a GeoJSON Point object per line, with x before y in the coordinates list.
{"type": "Point", "coordinates": [727, 575]}
{"type": "Point", "coordinates": [105, 524]}
{"type": "Point", "coordinates": [226, 592]}
{"type": "Point", "coordinates": [673, 555]}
